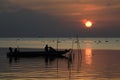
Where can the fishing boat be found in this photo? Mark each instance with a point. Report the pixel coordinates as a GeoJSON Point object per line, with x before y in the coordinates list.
{"type": "Point", "coordinates": [37, 53]}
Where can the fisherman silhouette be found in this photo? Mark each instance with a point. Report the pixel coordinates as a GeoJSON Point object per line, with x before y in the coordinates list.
{"type": "Point", "coordinates": [11, 50]}
{"type": "Point", "coordinates": [46, 48]}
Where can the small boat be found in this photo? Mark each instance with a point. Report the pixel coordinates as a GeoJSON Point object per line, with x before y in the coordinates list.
{"type": "Point", "coordinates": [37, 53]}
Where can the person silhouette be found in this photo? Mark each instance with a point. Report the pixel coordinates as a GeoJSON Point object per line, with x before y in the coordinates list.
{"type": "Point", "coordinates": [51, 49]}
{"type": "Point", "coordinates": [11, 50]}
{"type": "Point", "coordinates": [15, 50]}
{"type": "Point", "coordinates": [46, 48]}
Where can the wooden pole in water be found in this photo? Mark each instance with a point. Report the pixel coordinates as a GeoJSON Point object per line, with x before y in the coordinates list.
{"type": "Point", "coordinates": [79, 53]}
{"type": "Point", "coordinates": [57, 44]}
{"type": "Point", "coordinates": [17, 45]}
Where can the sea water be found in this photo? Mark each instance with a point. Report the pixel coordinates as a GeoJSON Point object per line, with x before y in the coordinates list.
{"type": "Point", "coordinates": [61, 43]}
{"type": "Point", "coordinates": [91, 59]}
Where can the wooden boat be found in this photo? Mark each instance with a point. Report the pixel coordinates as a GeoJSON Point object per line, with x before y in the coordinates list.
{"type": "Point", "coordinates": [37, 53]}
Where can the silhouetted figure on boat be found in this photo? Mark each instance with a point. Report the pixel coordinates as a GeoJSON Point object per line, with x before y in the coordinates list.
{"type": "Point", "coordinates": [52, 49]}
{"type": "Point", "coordinates": [15, 50]}
{"type": "Point", "coordinates": [11, 49]}
{"type": "Point", "coordinates": [46, 48]}
{"type": "Point", "coordinates": [49, 49]}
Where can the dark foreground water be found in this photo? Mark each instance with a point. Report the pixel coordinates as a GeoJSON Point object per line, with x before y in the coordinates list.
{"type": "Point", "coordinates": [86, 64]}
{"type": "Point", "coordinates": [91, 59]}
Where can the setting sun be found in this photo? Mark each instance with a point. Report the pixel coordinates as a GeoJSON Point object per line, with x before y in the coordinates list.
{"type": "Point", "coordinates": [88, 24]}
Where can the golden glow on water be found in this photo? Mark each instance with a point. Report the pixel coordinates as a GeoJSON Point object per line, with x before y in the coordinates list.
{"type": "Point", "coordinates": [88, 53]}
{"type": "Point", "coordinates": [80, 65]}
{"type": "Point", "coordinates": [88, 56]}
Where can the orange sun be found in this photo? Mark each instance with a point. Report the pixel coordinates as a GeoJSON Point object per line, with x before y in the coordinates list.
{"type": "Point", "coordinates": [88, 24]}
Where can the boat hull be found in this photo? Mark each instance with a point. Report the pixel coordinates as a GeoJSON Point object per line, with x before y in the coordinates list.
{"type": "Point", "coordinates": [37, 53]}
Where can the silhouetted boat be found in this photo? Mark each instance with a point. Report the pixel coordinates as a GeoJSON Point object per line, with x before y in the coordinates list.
{"type": "Point", "coordinates": [37, 53]}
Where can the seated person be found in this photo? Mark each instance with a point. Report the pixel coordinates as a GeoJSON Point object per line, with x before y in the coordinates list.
{"type": "Point", "coordinates": [52, 49]}
{"type": "Point", "coordinates": [15, 50]}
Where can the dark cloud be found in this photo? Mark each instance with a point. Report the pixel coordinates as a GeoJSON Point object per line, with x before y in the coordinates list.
{"type": "Point", "coordinates": [26, 23]}
{"type": "Point", "coordinates": [20, 22]}
{"type": "Point", "coordinates": [29, 23]}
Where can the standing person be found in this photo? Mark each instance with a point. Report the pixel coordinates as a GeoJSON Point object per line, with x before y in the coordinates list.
{"type": "Point", "coordinates": [46, 48]}
{"type": "Point", "coordinates": [11, 50]}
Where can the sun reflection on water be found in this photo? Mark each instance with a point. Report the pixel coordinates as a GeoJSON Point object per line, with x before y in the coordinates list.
{"type": "Point", "coordinates": [88, 55]}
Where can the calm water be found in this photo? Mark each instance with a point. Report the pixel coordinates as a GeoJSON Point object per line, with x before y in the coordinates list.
{"type": "Point", "coordinates": [91, 59]}
{"type": "Point", "coordinates": [62, 43]}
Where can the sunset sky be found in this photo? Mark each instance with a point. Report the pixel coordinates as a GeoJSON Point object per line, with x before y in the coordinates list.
{"type": "Point", "coordinates": [59, 18]}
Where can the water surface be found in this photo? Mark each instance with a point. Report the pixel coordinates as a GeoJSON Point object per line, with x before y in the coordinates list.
{"type": "Point", "coordinates": [92, 59]}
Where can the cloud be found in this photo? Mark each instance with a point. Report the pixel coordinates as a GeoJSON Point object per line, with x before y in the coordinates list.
{"type": "Point", "coordinates": [6, 6]}
{"type": "Point", "coordinates": [58, 18]}
{"type": "Point", "coordinates": [65, 7]}
{"type": "Point", "coordinates": [29, 23]}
